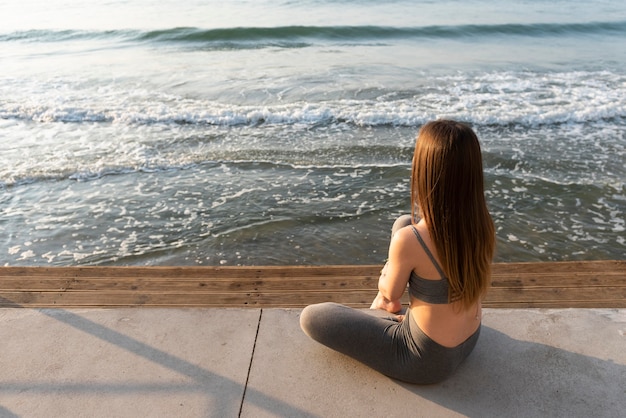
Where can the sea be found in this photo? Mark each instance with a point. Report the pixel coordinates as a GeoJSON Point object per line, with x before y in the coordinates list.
{"type": "Point", "coordinates": [281, 132]}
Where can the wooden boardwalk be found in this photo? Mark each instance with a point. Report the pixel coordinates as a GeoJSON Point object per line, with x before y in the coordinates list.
{"type": "Point", "coordinates": [584, 284]}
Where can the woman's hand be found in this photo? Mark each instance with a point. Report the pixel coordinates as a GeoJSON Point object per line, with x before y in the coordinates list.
{"type": "Point", "coordinates": [380, 302]}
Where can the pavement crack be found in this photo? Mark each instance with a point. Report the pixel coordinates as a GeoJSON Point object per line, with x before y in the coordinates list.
{"type": "Point", "coordinates": [245, 388]}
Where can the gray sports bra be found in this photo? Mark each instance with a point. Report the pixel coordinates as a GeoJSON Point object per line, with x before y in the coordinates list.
{"type": "Point", "coordinates": [429, 291]}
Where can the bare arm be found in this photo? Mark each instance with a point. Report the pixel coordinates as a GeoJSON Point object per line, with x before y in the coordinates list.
{"type": "Point", "coordinates": [381, 302]}
{"type": "Point", "coordinates": [395, 274]}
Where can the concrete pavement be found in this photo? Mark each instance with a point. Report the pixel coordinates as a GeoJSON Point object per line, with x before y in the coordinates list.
{"type": "Point", "coordinates": [143, 362]}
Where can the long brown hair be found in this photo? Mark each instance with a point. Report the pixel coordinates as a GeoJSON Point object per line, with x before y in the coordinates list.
{"type": "Point", "coordinates": [447, 191]}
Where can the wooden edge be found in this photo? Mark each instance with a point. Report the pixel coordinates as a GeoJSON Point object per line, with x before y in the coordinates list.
{"type": "Point", "coordinates": [226, 272]}
{"type": "Point", "coordinates": [550, 284]}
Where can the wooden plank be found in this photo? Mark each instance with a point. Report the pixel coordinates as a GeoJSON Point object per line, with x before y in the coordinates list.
{"type": "Point", "coordinates": [338, 283]}
{"type": "Point", "coordinates": [552, 284]}
{"type": "Point", "coordinates": [547, 268]}
{"type": "Point", "coordinates": [559, 280]}
{"type": "Point", "coordinates": [556, 294]}
{"type": "Point", "coordinates": [294, 271]}
{"type": "Point", "coordinates": [499, 270]}
{"type": "Point", "coordinates": [232, 299]}
{"type": "Point", "coordinates": [192, 272]}
{"type": "Point", "coordinates": [554, 299]}
{"type": "Point", "coordinates": [29, 283]}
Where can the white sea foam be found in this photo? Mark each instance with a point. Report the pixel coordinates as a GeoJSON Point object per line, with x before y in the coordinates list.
{"type": "Point", "coordinates": [86, 135]}
{"type": "Point", "coordinates": [494, 99]}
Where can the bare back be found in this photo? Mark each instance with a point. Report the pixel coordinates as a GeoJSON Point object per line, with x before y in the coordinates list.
{"type": "Point", "coordinates": [447, 324]}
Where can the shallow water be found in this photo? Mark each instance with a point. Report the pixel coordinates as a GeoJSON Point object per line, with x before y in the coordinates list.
{"type": "Point", "coordinates": [282, 132]}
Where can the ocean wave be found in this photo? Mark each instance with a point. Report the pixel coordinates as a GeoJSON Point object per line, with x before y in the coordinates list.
{"type": "Point", "coordinates": [360, 113]}
{"type": "Point", "coordinates": [297, 36]}
{"type": "Point", "coordinates": [240, 163]}
{"type": "Point", "coordinates": [61, 173]}
{"type": "Point", "coordinates": [44, 35]}
{"type": "Point", "coordinates": [357, 33]}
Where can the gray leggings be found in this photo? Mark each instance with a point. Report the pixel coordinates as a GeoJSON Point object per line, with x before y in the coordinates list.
{"type": "Point", "coordinates": [399, 350]}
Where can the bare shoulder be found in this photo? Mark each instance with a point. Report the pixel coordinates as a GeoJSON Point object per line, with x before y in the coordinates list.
{"type": "Point", "coordinates": [405, 237]}
{"type": "Point", "coordinates": [405, 248]}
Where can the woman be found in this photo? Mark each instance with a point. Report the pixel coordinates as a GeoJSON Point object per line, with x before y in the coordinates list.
{"type": "Point", "coordinates": [444, 257]}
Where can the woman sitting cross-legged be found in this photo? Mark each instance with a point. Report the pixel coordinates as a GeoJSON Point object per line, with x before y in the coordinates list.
{"type": "Point", "coordinates": [442, 251]}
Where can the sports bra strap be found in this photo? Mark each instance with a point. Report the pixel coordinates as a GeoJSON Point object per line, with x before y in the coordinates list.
{"type": "Point", "coordinates": [428, 253]}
